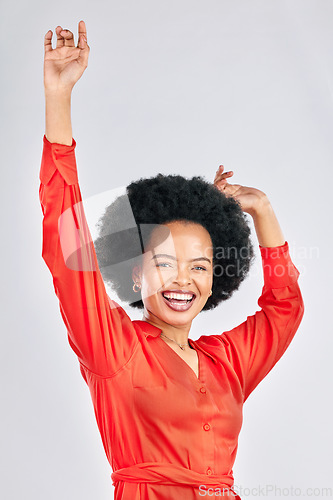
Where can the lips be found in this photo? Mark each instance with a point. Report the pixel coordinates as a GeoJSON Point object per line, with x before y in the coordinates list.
{"type": "Point", "coordinates": [178, 300]}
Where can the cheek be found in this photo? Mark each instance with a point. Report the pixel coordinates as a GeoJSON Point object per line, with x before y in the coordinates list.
{"type": "Point", "coordinates": [157, 277]}
{"type": "Point", "coordinates": [153, 280]}
{"type": "Point", "coordinates": [205, 284]}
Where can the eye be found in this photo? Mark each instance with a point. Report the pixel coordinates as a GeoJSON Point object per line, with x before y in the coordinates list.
{"type": "Point", "coordinates": [162, 264]}
{"type": "Point", "coordinates": [201, 268]}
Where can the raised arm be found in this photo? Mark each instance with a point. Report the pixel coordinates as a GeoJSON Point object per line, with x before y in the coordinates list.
{"type": "Point", "coordinates": [63, 67]}
{"type": "Point", "coordinates": [255, 346]}
{"type": "Point", "coordinates": [100, 333]}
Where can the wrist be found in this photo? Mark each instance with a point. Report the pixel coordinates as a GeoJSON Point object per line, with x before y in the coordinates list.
{"type": "Point", "coordinates": [58, 127]}
{"type": "Point", "coordinates": [261, 207]}
{"type": "Point", "coordinates": [58, 93]}
{"type": "Point", "coordinates": [267, 227]}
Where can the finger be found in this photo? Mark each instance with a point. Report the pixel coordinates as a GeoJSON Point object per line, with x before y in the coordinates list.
{"type": "Point", "coordinates": [68, 38]}
{"type": "Point", "coordinates": [83, 45]}
{"type": "Point", "coordinates": [219, 170]}
{"type": "Point", "coordinates": [227, 175]}
{"type": "Point", "coordinates": [84, 52]}
{"type": "Point", "coordinates": [82, 27]}
{"type": "Point", "coordinates": [60, 38]}
{"type": "Point", "coordinates": [224, 175]}
{"type": "Point", "coordinates": [48, 41]}
{"type": "Point", "coordinates": [221, 185]}
{"type": "Point", "coordinates": [82, 40]}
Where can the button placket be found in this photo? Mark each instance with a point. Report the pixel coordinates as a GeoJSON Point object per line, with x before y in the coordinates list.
{"type": "Point", "coordinates": [207, 427]}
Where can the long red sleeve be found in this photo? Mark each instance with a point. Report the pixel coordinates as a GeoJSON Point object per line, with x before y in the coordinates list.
{"type": "Point", "coordinates": [255, 346]}
{"type": "Point", "coordinates": [101, 334]}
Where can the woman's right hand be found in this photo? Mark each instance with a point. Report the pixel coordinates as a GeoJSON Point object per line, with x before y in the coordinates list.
{"type": "Point", "coordinates": [64, 65]}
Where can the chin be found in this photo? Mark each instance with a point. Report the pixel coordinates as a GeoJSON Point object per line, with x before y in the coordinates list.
{"type": "Point", "coordinates": [175, 317]}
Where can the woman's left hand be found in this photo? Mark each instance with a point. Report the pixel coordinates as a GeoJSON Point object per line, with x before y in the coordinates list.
{"type": "Point", "coordinates": [250, 199]}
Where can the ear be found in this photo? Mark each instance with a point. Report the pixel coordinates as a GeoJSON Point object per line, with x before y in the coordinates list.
{"type": "Point", "coordinates": [136, 274]}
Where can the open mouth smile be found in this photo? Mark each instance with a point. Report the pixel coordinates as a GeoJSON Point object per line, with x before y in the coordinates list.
{"type": "Point", "coordinates": [178, 300]}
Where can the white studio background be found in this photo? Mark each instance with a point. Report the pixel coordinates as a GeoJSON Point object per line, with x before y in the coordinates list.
{"type": "Point", "coordinates": [177, 86]}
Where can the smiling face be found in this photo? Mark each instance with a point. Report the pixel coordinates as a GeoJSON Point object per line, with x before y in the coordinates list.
{"type": "Point", "coordinates": [176, 274]}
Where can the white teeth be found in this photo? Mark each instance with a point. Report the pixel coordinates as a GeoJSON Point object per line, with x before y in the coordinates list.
{"type": "Point", "coordinates": [178, 296]}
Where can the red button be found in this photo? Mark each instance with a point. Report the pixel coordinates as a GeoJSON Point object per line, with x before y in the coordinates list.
{"type": "Point", "coordinates": [206, 427]}
{"type": "Point", "coordinates": [209, 471]}
{"type": "Point", "coordinates": [203, 390]}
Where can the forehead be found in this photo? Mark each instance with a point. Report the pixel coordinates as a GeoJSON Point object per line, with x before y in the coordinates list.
{"type": "Point", "coordinates": [182, 238]}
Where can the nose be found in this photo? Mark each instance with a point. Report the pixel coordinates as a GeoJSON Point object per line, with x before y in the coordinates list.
{"type": "Point", "coordinates": [183, 276]}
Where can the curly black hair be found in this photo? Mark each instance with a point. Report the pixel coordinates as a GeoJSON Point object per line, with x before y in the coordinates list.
{"type": "Point", "coordinates": [127, 224]}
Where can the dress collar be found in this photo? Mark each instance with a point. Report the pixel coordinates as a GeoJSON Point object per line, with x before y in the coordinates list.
{"type": "Point", "coordinates": [154, 331]}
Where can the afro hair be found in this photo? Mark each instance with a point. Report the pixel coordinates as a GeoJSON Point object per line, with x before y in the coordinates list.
{"type": "Point", "coordinates": [126, 225]}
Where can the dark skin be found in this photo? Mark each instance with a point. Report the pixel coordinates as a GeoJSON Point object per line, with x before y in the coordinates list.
{"type": "Point", "coordinates": [181, 262]}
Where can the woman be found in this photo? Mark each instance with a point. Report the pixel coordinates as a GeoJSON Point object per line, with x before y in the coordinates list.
{"type": "Point", "coordinates": [169, 409]}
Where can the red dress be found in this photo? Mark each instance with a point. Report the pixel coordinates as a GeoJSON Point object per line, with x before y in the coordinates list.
{"type": "Point", "coordinates": [168, 434]}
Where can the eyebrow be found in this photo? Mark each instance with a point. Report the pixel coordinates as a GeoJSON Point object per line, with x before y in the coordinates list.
{"type": "Point", "coordinates": [174, 258]}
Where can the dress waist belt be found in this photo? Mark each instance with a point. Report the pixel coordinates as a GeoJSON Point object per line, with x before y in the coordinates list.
{"type": "Point", "coordinates": [170, 474]}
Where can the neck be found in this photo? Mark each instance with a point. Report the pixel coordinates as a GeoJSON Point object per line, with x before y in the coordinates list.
{"type": "Point", "coordinates": [178, 333]}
